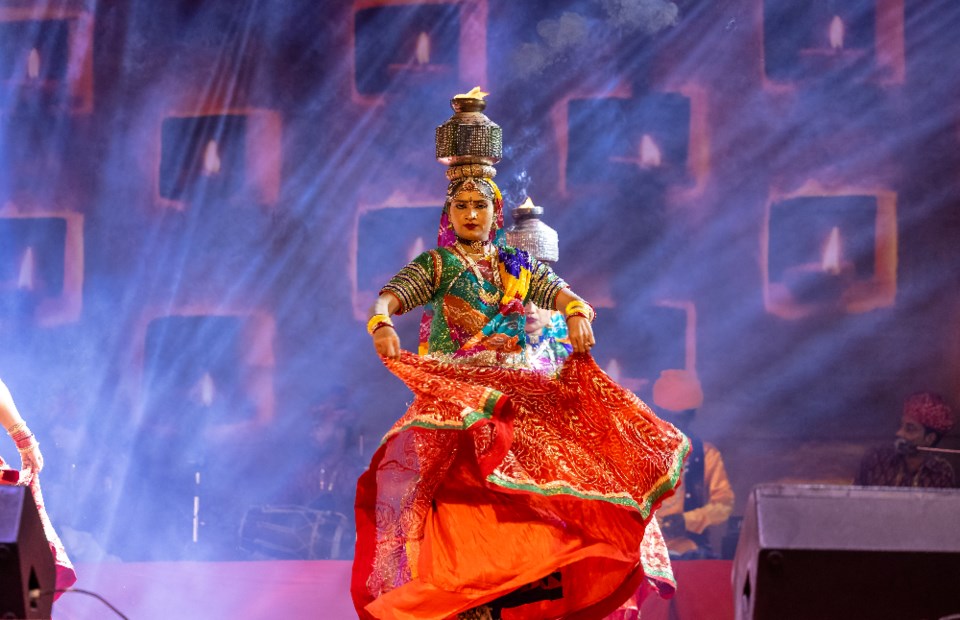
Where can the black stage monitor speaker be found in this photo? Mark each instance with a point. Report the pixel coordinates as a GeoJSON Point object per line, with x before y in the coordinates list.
{"type": "Point", "coordinates": [26, 563]}
{"type": "Point", "coordinates": [841, 552]}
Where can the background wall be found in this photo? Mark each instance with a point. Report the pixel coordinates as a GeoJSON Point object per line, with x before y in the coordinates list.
{"type": "Point", "coordinates": [173, 307]}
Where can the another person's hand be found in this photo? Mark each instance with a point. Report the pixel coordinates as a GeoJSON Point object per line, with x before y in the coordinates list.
{"type": "Point", "coordinates": [386, 341]}
{"type": "Point", "coordinates": [31, 462]}
{"type": "Point", "coordinates": [673, 526]}
{"type": "Point", "coordinates": [581, 334]}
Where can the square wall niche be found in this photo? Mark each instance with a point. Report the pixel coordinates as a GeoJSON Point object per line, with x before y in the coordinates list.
{"type": "Point", "coordinates": [846, 40]}
{"type": "Point", "coordinates": [403, 48]}
{"type": "Point", "coordinates": [636, 345]}
{"type": "Point", "coordinates": [41, 268]}
{"type": "Point", "coordinates": [208, 371]}
{"type": "Point", "coordinates": [46, 59]}
{"type": "Point", "coordinates": [829, 252]}
{"type": "Point", "coordinates": [231, 157]}
{"type": "Point", "coordinates": [615, 140]}
{"type": "Point", "coordinates": [387, 237]}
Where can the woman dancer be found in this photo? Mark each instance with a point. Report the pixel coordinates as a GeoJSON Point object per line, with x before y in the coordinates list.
{"type": "Point", "coordinates": [502, 490]}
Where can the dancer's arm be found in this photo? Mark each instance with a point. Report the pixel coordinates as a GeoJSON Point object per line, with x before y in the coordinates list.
{"type": "Point", "coordinates": [385, 338]}
{"type": "Point", "coordinates": [11, 420]}
{"type": "Point", "coordinates": [581, 332]}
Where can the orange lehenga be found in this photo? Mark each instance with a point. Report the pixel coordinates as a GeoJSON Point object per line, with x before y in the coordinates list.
{"type": "Point", "coordinates": [511, 487]}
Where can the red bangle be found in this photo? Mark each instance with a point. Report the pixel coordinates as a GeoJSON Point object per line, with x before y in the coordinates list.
{"type": "Point", "coordinates": [381, 325]}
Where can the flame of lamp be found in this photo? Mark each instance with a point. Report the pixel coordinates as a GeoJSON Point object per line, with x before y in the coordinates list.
{"type": "Point", "coordinates": [33, 64]}
{"type": "Point", "coordinates": [836, 33]}
{"type": "Point", "coordinates": [469, 137]}
{"type": "Point", "coordinates": [26, 277]}
{"type": "Point", "coordinates": [650, 156]}
{"type": "Point", "coordinates": [211, 159]}
{"type": "Point", "coordinates": [422, 54]}
{"type": "Point", "coordinates": [529, 233]}
{"type": "Point", "coordinates": [207, 390]}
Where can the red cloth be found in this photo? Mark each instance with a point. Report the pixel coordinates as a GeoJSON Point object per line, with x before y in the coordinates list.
{"type": "Point", "coordinates": [496, 478]}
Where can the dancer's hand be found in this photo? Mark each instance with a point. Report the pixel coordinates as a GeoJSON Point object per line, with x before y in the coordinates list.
{"type": "Point", "coordinates": [581, 334]}
{"type": "Point", "coordinates": [387, 343]}
{"type": "Point", "coordinates": [31, 462]}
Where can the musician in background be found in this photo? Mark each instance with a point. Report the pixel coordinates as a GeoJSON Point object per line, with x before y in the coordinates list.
{"type": "Point", "coordinates": [925, 420]}
{"type": "Point", "coordinates": [705, 498]}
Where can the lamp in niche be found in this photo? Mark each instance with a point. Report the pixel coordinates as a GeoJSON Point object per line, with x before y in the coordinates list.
{"type": "Point", "coordinates": [229, 157]}
{"type": "Point", "coordinates": [836, 33]}
{"type": "Point", "coordinates": [829, 249]}
{"type": "Point", "coordinates": [831, 55]}
{"type": "Point", "coordinates": [41, 268]}
{"type": "Point", "coordinates": [205, 390]}
{"type": "Point", "coordinates": [21, 301]}
{"type": "Point", "coordinates": [648, 157]}
{"type": "Point", "coordinates": [824, 281]}
{"type": "Point", "coordinates": [649, 135]}
{"type": "Point", "coordinates": [420, 69]}
{"type": "Point", "coordinates": [203, 157]}
{"type": "Point", "coordinates": [33, 64]}
{"type": "Point", "coordinates": [203, 364]}
{"type": "Point", "coordinates": [211, 159]}
{"type": "Point", "coordinates": [424, 52]}
{"type": "Point", "coordinates": [422, 55]}
{"type": "Point", "coordinates": [27, 276]}
{"type": "Point", "coordinates": [46, 58]}
{"type": "Point", "coordinates": [844, 40]}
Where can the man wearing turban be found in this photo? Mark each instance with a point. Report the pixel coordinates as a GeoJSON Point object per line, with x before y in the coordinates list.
{"type": "Point", "coordinates": [705, 498]}
{"type": "Point", "coordinates": [926, 419]}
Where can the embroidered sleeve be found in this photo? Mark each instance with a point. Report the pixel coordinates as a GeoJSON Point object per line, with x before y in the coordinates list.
{"type": "Point", "coordinates": [545, 285]}
{"type": "Point", "coordinates": [415, 284]}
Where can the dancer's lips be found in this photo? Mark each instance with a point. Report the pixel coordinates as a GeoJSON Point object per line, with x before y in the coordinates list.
{"type": "Point", "coordinates": [471, 226]}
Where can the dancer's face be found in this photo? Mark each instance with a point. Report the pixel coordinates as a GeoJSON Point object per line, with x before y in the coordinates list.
{"type": "Point", "coordinates": [471, 214]}
{"type": "Point", "coordinates": [537, 318]}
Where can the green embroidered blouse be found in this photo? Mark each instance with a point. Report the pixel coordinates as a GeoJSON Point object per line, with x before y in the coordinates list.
{"type": "Point", "coordinates": [458, 306]}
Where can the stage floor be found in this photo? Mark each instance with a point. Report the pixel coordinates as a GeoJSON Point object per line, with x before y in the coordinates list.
{"type": "Point", "coordinates": [269, 590]}
{"type": "Point", "coordinates": [304, 590]}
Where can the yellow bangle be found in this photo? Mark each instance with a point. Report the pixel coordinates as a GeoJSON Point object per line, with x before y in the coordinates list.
{"type": "Point", "coordinates": [580, 308]}
{"type": "Point", "coordinates": [376, 320]}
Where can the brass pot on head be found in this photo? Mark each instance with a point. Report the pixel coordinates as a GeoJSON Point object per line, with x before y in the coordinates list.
{"type": "Point", "coordinates": [469, 138]}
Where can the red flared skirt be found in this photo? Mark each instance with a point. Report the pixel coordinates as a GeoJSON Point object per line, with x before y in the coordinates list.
{"type": "Point", "coordinates": [496, 479]}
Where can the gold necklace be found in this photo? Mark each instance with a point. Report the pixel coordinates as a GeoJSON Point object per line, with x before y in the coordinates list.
{"type": "Point", "coordinates": [486, 297]}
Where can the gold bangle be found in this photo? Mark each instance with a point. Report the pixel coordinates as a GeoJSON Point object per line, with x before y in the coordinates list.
{"type": "Point", "coordinates": [580, 308]}
{"type": "Point", "coordinates": [376, 320]}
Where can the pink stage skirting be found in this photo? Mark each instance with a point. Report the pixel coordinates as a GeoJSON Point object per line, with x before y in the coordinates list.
{"type": "Point", "coordinates": [274, 590]}
{"type": "Point", "coordinates": [301, 590]}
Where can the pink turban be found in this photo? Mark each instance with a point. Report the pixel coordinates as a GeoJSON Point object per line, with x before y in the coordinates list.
{"type": "Point", "coordinates": [930, 410]}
